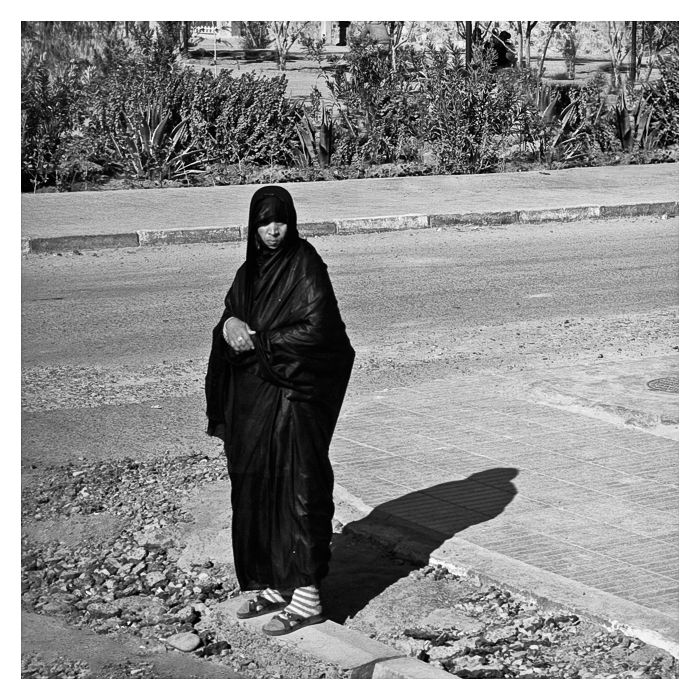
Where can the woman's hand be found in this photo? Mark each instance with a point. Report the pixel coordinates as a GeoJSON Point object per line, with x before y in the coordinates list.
{"type": "Point", "coordinates": [237, 335]}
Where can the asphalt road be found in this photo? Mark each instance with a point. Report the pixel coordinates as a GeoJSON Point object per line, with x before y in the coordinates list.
{"type": "Point", "coordinates": [499, 296]}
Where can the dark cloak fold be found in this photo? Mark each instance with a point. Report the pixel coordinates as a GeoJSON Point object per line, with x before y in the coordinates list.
{"type": "Point", "coordinates": [276, 407]}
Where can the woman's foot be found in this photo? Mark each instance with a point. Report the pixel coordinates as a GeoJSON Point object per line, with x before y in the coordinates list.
{"type": "Point", "coordinates": [303, 610]}
{"type": "Point", "coordinates": [263, 603]}
{"type": "Point", "coordinates": [286, 622]}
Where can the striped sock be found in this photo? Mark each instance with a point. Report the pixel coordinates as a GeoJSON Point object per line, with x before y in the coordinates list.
{"type": "Point", "coordinates": [273, 596]}
{"type": "Point", "coordinates": [306, 602]}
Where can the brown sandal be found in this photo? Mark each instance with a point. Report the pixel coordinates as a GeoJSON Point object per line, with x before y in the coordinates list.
{"type": "Point", "coordinates": [258, 606]}
{"type": "Point", "coordinates": [286, 622]}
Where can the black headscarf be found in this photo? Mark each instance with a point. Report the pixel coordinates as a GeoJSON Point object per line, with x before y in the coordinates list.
{"type": "Point", "coordinates": [269, 203]}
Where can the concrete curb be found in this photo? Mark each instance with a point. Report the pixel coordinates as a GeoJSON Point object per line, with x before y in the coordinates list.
{"type": "Point", "coordinates": [223, 234]}
{"type": "Point", "coordinates": [154, 237]}
{"type": "Point", "coordinates": [359, 656]}
{"type": "Point", "coordinates": [463, 558]}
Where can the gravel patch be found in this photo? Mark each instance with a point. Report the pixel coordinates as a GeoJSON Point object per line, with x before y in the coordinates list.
{"type": "Point", "coordinates": [129, 581]}
{"type": "Point", "coordinates": [46, 388]}
{"type": "Point", "coordinates": [124, 579]}
{"type": "Point", "coordinates": [483, 631]}
{"type": "Point", "coordinates": [37, 666]}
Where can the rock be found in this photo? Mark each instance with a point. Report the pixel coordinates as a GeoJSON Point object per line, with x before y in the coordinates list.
{"type": "Point", "coordinates": [56, 607]}
{"type": "Point", "coordinates": [29, 563]}
{"type": "Point", "coordinates": [467, 643]}
{"type": "Point", "coordinates": [449, 618]}
{"type": "Point", "coordinates": [492, 670]}
{"type": "Point", "coordinates": [70, 574]}
{"type": "Point", "coordinates": [410, 647]}
{"type": "Point", "coordinates": [214, 648]}
{"type": "Point", "coordinates": [154, 539]}
{"type": "Point", "coordinates": [149, 611]}
{"type": "Point", "coordinates": [112, 565]}
{"type": "Point", "coordinates": [443, 653]}
{"type": "Point", "coordinates": [136, 554]}
{"type": "Point", "coordinates": [103, 610]}
{"type": "Point", "coordinates": [184, 641]}
{"type": "Point", "coordinates": [155, 578]}
{"type": "Point", "coordinates": [187, 614]}
{"type": "Point", "coordinates": [496, 634]}
{"type": "Point", "coordinates": [109, 625]}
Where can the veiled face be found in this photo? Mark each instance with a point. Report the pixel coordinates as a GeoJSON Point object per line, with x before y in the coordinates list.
{"type": "Point", "coordinates": [272, 234]}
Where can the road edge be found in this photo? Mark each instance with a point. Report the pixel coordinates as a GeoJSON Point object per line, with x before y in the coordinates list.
{"type": "Point", "coordinates": [463, 558]}
{"type": "Point", "coordinates": [226, 234]}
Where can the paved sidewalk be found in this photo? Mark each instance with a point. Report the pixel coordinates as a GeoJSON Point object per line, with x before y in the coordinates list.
{"type": "Point", "coordinates": [217, 213]}
{"type": "Point", "coordinates": [575, 509]}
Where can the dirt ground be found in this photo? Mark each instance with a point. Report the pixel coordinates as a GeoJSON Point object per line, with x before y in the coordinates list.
{"type": "Point", "coordinates": [85, 516]}
{"type": "Point", "coordinates": [86, 616]}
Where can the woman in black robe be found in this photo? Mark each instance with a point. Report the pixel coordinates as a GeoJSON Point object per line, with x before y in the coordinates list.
{"type": "Point", "coordinates": [278, 370]}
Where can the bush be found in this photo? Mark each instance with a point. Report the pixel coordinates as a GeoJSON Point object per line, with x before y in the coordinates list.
{"type": "Point", "coordinates": [662, 95]}
{"type": "Point", "coordinates": [474, 115]}
{"type": "Point", "coordinates": [137, 113]}
{"type": "Point", "coordinates": [586, 127]}
{"type": "Point", "coordinates": [380, 108]}
{"type": "Point", "coordinates": [245, 120]}
{"type": "Point", "coordinates": [133, 110]}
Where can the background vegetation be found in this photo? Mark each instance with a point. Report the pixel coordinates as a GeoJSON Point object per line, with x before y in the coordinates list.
{"type": "Point", "coordinates": [108, 101]}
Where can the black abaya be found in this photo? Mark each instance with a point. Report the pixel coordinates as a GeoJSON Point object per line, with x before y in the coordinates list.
{"type": "Point", "coordinates": [276, 408]}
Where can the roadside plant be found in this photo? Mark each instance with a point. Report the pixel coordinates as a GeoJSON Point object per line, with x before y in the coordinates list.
{"type": "Point", "coordinates": [257, 35]}
{"type": "Point", "coordinates": [315, 133]}
{"type": "Point", "coordinates": [568, 38]}
{"type": "Point", "coordinates": [285, 34]}
{"type": "Point", "coordinates": [76, 159]}
{"type": "Point", "coordinates": [587, 128]}
{"type": "Point", "coordinates": [633, 117]}
{"type": "Point", "coordinates": [618, 47]}
{"type": "Point", "coordinates": [155, 148]}
{"type": "Point", "coordinates": [663, 97]}
{"type": "Point", "coordinates": [658, 39]}
{"type": "Point", "coordinates": [244, 119]}
{"type": "Point", "coordinates": [379, 106]}
{"type": "Point", "coordinates": [471, 115]}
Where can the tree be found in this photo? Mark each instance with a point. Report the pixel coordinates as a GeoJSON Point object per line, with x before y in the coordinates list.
{"type": "Point", "coordinates": [185, 33]}
{"type": "Point", "coordinates": [256, 34]}
{"type": "Point", "coordinates": [60, 43]}
{"type": "Point", "coordinates": [519, 32]}
{"type": "Point", "coordinates": [657, 38]}
{"type": "Point", "coordinates": [397, 38]}
{"type": "Point", "coordinates": [633, 54]}
{"type": "Point", "coordinates": [284, 35]}
{"type": "Point", "coordinates": [464, 31]}
{"type": "Point", "coordinates": [618, 48]}
{"type": "Point", "coordinates": [529, 26]}
{"type": "Point", "coordinates": [176, 36]}
{"type": "Point", "coordinates": [569, 44]}
{"type": "Point", "coordinates": [550, 33]}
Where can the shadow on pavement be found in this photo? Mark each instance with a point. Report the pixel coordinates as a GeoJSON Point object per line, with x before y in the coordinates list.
{"type": "Point", "coordinates": [360, 571]}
